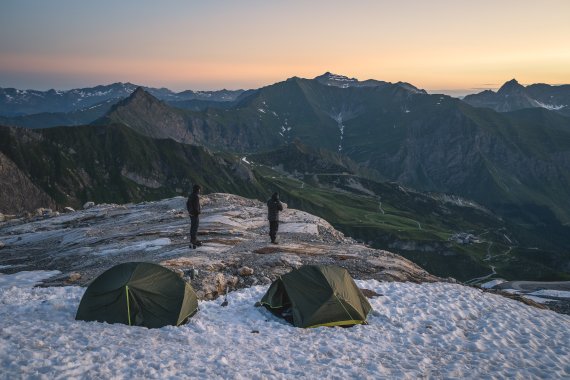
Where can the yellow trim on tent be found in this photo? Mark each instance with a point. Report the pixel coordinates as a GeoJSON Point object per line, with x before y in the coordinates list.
{"type": "Point", "coordinates": [271, 306]}
{"type": "Point", "coordinates": [338, 323]}
{"type": "Point", "coordinates": [188, 316]}
{"type": "Point", "coordinates": [128, 304]}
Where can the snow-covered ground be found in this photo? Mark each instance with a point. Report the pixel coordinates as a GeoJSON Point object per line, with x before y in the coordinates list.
{"type": "Point", "coordinates": [429, 330]}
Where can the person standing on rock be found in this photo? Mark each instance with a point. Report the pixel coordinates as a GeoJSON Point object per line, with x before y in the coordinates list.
{"type": "Point", "coordinates": [193, 206]}
{"type": "Point", "coordinates": [274, 206]}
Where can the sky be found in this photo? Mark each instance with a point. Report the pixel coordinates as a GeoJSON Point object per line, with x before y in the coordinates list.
{"type": "Point", "coordinates": [452, 45]}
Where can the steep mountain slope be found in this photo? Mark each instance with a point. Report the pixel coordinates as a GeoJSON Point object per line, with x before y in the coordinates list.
{"type": "Point", "coordinates": [512, 96]}
{"type": "Point", "coordinates": [115, 164]}
{"type": "Point", "coordinates": [488, 157]}
{"type": "Point", "coordinates": [18, 193]}
{"type": "Point", "coordinates": [148, 116]}
{"type": "Point", "coordinates": [234, 130]}
{"type": "Point", "coordinates": [301, 159]}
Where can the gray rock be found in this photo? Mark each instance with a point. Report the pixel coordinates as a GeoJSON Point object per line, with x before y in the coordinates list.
{"type": "Point", "coordinates": [291, 260]}
{"type": "Point", "coordinates": [88, 205]}
{"type": "Point", "coordinates": [245, 271]}
{"type": "Point", "coordinates": [73, 277]}
{"type": "Point", "coordinates": [44, 212]}
{"type": "Point", "coordinates": [68, 209]}
{"type": "Point", "coordinates": [2, 245]}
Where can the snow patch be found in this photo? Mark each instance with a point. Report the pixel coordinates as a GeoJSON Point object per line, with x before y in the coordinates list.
{"type": "Point", "coordinates": [25, 279]}
{"type": "Point", "coordinates": [492, 283]}
{"type": "Point", "coordinates": [430, 330]}
{"type": "Point", "coordinates": [148, 245]}
{"type": "Point", "coordinates": [551, 107]}
{"type": "Point", "coordinates": [550, 293]}
{"type": "Point", "coordinates": [299, 228]}
{"type": "Point", "coordinates": [338, 119]}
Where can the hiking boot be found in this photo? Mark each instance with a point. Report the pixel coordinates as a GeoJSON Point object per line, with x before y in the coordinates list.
{"type": "Point", "coordinates": [274, 242]}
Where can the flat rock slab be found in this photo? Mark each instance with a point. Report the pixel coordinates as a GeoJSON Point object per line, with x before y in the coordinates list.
{"type": "Point", "coordinates": [299, 228]}
{"type": "Point", "coordinates": [234, 232]}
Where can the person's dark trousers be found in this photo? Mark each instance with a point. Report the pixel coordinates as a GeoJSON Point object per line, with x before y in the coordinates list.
{"type": "Point", "coordinates": [194, 222]}
{"type": "Point", "coordinates": [273, 227]}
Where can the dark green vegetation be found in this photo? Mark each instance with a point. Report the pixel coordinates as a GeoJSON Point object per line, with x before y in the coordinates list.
{"type": "Point", "coordinates": [447, 235]}
{"type": "Point", "coordinates": [116, 164]}
{"type": "Point", "coordinates": [361, 141]}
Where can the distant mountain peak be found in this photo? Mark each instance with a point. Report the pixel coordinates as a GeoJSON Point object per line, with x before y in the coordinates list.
{"type": "Point", "coordinates": [511, 86]}
{"type": "Point", "coordinates": [139, 90]}
{"type": "Point", "coordinates": [328, 76]}
{"type": "Point", "coordinates": [410, 87]}
{"type": "Point", "coordinates": [139, 94]}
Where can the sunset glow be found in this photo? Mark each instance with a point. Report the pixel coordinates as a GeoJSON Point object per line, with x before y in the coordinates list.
{"type": "Point", "coordinates": [247, 44]}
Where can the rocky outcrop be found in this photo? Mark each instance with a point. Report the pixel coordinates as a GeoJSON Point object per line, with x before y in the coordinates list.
{"type": "Point", "coordinates": [236, 250]}
{"type": "Point", "coordinates": [19, 194]}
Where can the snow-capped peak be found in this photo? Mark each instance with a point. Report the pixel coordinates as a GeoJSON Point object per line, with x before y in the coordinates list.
{"type": "Point", "coordinates": [328, 76]}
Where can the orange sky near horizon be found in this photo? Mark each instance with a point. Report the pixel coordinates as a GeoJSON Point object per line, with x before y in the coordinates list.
{"type": "Point", "coordinates": [440, 44]}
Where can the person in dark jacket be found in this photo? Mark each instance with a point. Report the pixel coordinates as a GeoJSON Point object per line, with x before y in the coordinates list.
{"type": "Point", "coordinates": [193, 206]}
{"type": "Point", "coordinates": [273, 208]}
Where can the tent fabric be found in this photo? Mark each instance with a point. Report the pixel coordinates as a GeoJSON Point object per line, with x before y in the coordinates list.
{"type": "Point", "coordinates": [317, 295]}
{"type": "Point", "coordinates": [139, 294]}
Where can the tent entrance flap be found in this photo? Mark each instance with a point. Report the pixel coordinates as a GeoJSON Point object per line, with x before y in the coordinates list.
{"type": "Point", "coordinates": [317, 295]}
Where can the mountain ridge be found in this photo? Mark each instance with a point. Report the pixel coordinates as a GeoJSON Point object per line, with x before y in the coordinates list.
{"type": "Point", "coordinates": [15, 102]}
{"type": "Point", "coordinates": [481, 154]}
{"type": "Point", "coordinates": [513, 96]}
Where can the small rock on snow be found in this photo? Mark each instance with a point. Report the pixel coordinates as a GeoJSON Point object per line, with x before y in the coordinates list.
{"type": "Point", "coordinates": [88, 205]}
{"type": "Point", "coordinates": [245, 271]}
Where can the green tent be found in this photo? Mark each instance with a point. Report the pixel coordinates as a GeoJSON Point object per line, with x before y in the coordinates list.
{"type": "Point", "coordinates": [138, 294]}
{"type": "Point", "coordinates": [317, 295]}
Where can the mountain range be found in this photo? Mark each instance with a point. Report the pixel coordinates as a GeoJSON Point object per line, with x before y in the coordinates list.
{"type": "Point", "coordinates": [427, 142]}
{"type": "Point", "coordinates": [513, 96]}
{"type": "Point", "coordinates": [393, 156]}
{"type": "Point", "coordinates": [15, 102]}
